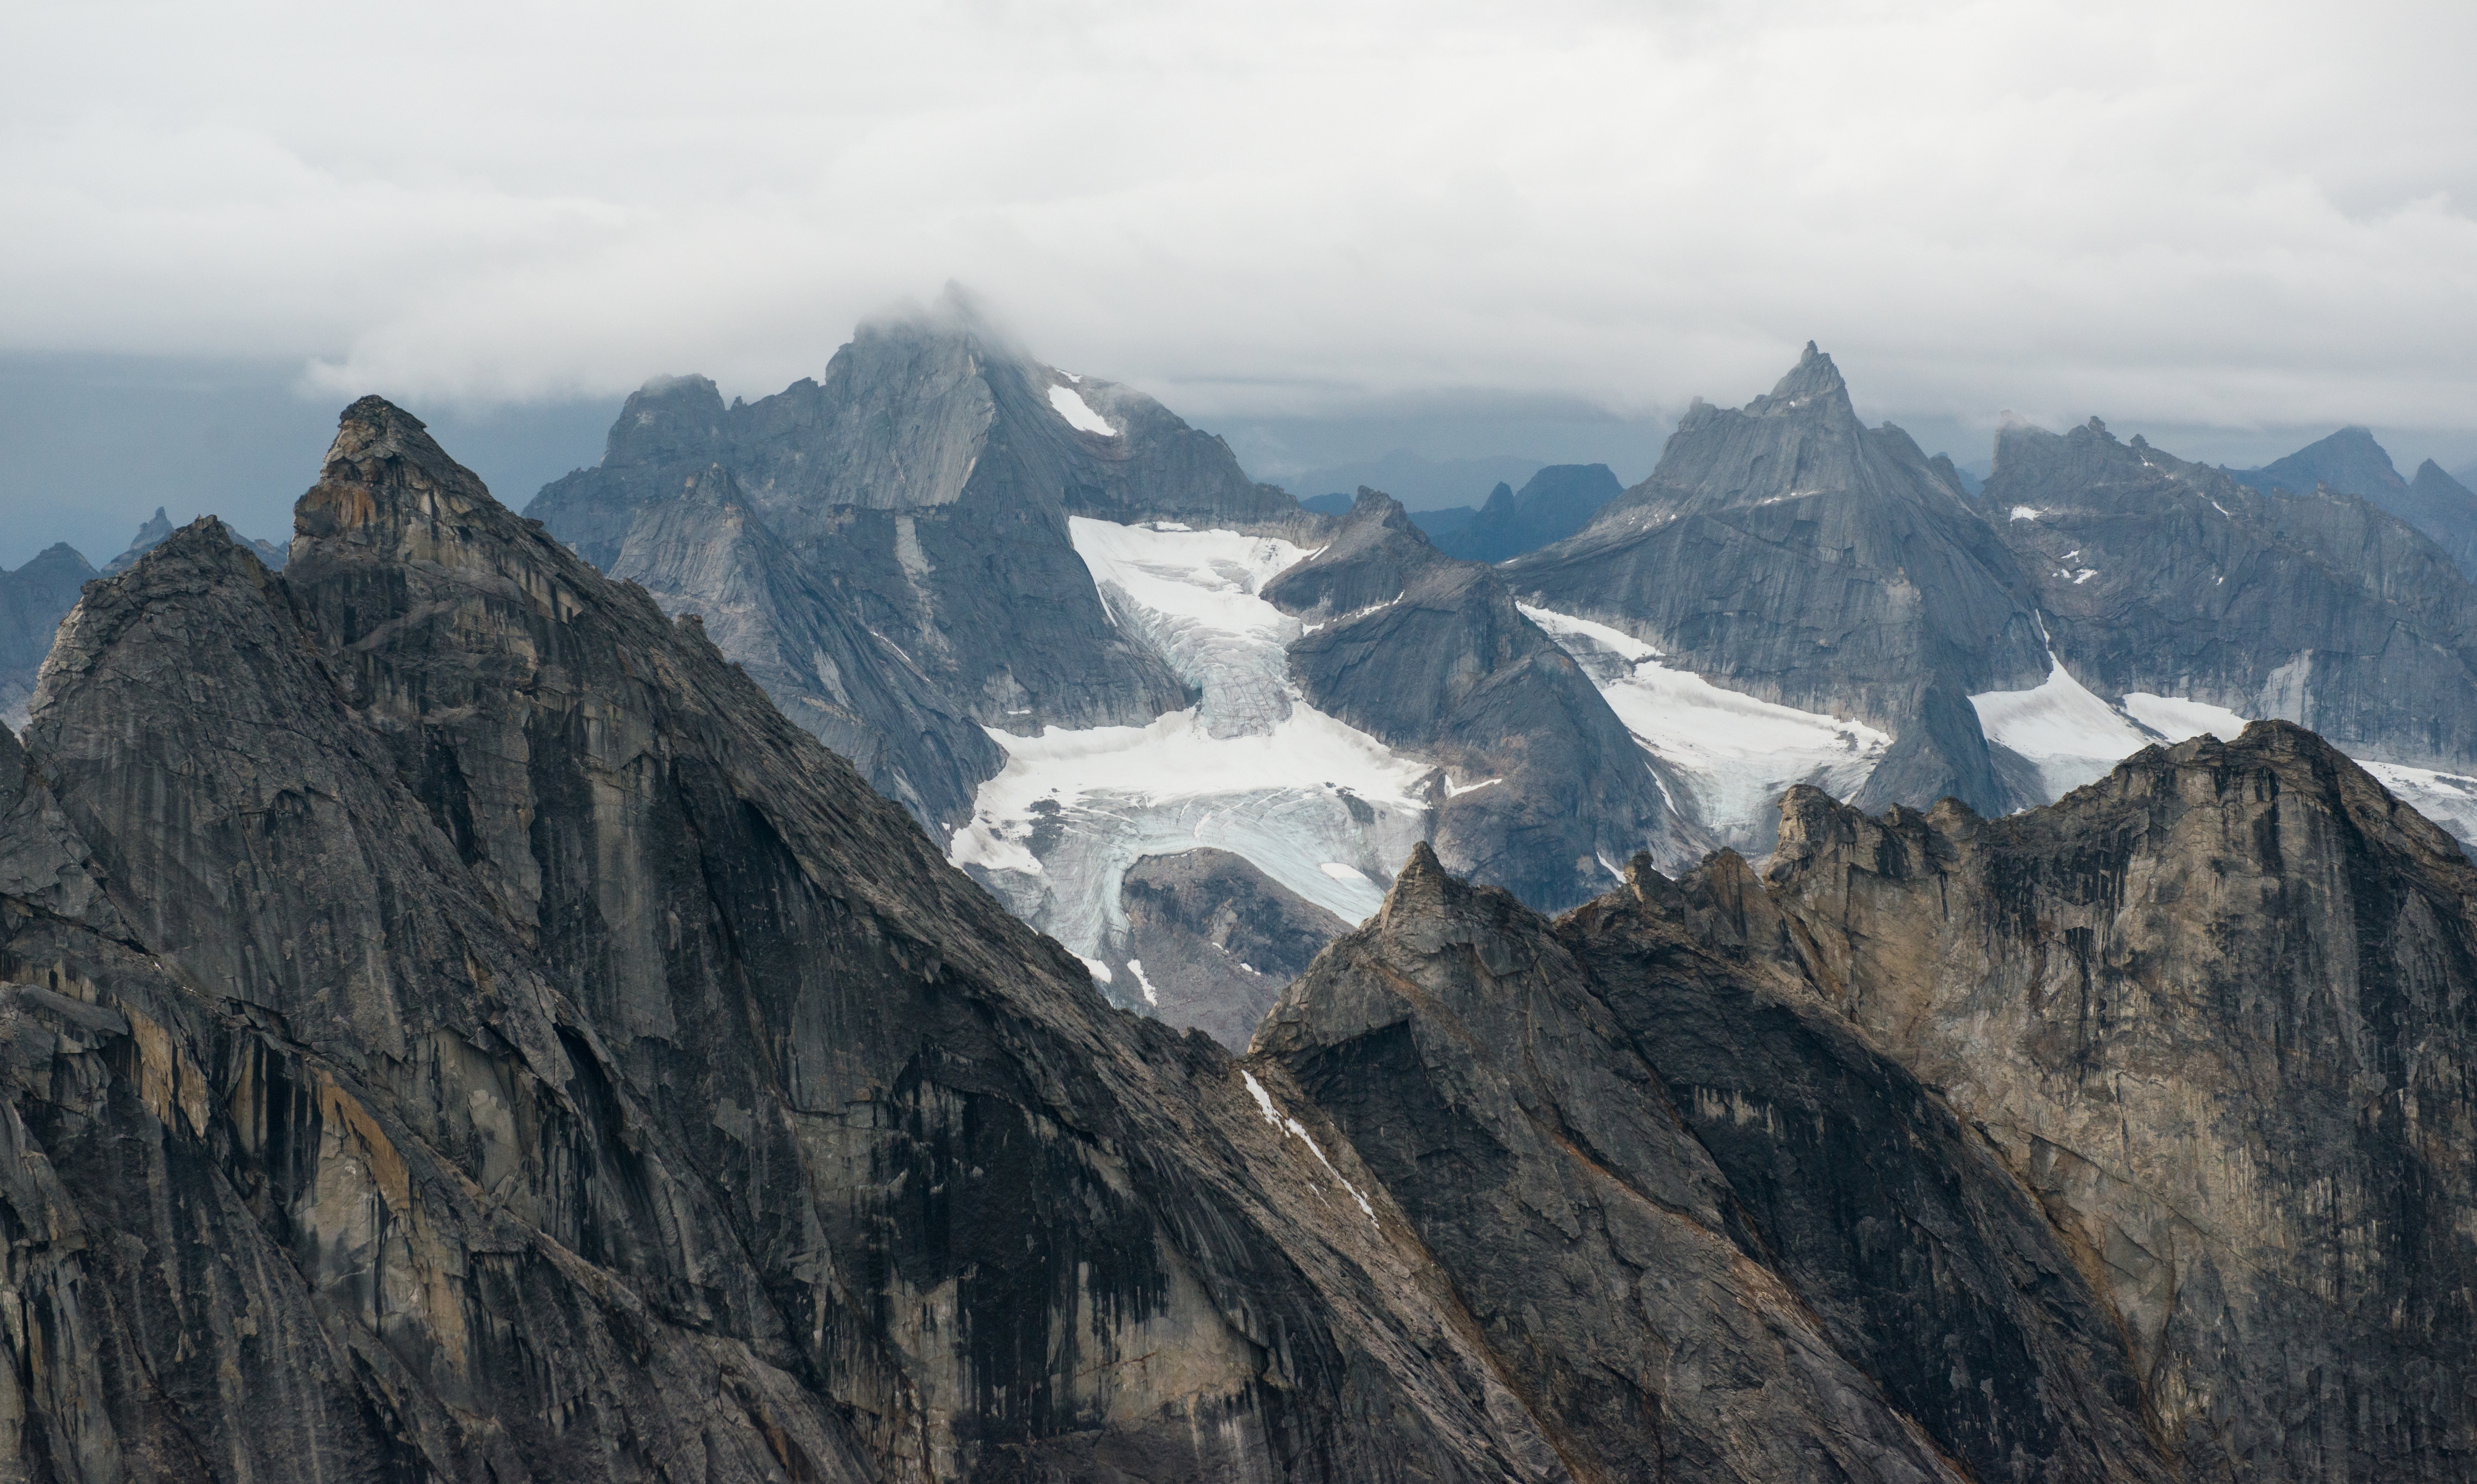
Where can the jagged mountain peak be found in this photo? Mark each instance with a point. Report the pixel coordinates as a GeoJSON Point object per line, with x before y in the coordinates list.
{"type": "Point", "coordinates": [2349, 461]}
{"type": "Point", "coordinates": [383, 474]}
{"type": "Point", "coordinates": [1814, 383]}
{"type": "Point", "coordinates": [1420, 885]}
{"type": "Point", "coordinates": [668, 420]}
{"type": "Point", "coordinates": [152, 531]}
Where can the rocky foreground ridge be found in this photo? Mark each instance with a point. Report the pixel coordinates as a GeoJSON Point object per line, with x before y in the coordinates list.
{"type": "Point", "coordinates": [457, 1028]}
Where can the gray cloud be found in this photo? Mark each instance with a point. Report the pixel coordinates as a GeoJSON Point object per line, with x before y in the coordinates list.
{"type": "Point", "coordinates": [2215, 216]}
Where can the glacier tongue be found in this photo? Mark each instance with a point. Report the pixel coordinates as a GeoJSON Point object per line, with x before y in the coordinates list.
{"type": "Point", "coordinates": [1736, 753]}
{"type": "Point", "coordinates": [1251, 769]}
{"type": "Point", "coordinates": [2070, 735]}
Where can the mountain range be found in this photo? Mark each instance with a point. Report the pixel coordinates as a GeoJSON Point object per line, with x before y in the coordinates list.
{"type": "Point", "coordinates": [1067, 632]}
{"type": "Point", "coordinates": [456, 1025]}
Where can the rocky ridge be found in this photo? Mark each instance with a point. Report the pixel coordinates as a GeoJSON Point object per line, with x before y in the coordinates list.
{"type": "Point", "coordinates": [1787, 551]}
{"type": "Point", "coordinates": [457, 1028]}
{"type": "Point", "coordinates": [973, 574]}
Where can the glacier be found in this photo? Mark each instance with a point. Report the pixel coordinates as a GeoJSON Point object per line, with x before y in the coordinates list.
{"type": "Point", "coordinates": [1734, 754]}
{"type": "Point", "coordinates": [1325, 809]}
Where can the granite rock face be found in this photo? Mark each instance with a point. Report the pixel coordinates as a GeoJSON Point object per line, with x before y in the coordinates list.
{"type": "Point", "coordinates": [1789, 552]}
{"type": "Point", "coordinates": [1217, 940]}
{"type": "Point", "coordinates": [2443, 509]}
{"type": "Point", "coordinates": [2350, 462]}
{"type": "Point", "coordinates": [2168, 578]}
{"type": "Point", "coordinates": [1545, 790]}
{"type": "Point", "coordinates": [705, 549]}
{"type": "Point", "coordinates": [1718, 1234]}
{"type": "Point", "coordinates": [459, 1030]}
{"type": "Point", "coordinates": [2215, 1012]}
{"type": "Point", "coordinates": [456, 1027]}
{"type": "Point", "coordinates": [946, 555]}
{"type": "Point", "coordinates": [33, 599]}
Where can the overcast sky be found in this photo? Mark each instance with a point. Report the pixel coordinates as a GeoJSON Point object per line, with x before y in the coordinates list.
{"type": "Point", "coordinates": [2229, 217]}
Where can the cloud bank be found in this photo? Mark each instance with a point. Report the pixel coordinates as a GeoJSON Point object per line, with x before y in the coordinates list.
{"type": "Point", "coordinates": [2215, 214]}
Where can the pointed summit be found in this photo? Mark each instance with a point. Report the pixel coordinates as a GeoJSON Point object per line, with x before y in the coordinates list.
{"type": "Point", "coordinates": [148, 534]}
{"type": "Point", "coordinates": [383, 468]}
{"type": "Point", "coordinates": [1813, 380]}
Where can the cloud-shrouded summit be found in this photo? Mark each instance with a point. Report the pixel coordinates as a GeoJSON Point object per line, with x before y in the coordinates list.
{"type": "Point", "coordinates": [2215, 214]}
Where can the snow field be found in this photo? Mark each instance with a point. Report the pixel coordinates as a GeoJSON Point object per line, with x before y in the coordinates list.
{"type": "Point", "coordinates": [1736, 753]}
{"type": "Point", "coordinates": [2070, 735]}
{"type": "Point", "coordinates": [1251, 769]}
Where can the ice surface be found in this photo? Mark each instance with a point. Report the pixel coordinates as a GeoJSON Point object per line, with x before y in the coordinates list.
{"type": "Point", "coordinates": [2070, 735]}
{"type": "Point", "coordinates": [1252, 768]}
{"type": "Point", "coordinates": [1736, 753]}
{"type": "Point", "coordinates": [2449, 798]}
{"type": "Point", "coordinates": [1190, 596]}
{"type": "Point", "coordinates": [1078, 413]}
{"type": "Point", "coordinates": [2176, 718]}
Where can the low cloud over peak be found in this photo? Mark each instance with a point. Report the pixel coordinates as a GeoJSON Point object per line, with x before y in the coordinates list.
{"type": "Point", "coordinates": [2217, 215]}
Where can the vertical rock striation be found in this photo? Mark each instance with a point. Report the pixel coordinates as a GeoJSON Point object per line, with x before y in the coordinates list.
{"type": "Point", "coordinates": [459, 1030]}
{"type": "Point", "coordinates": [2217, 1011]}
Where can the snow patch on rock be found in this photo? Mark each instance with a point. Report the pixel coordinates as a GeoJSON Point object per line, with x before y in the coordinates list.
{"type": "Point", "coordinates": [2070, 735]}
{"type": "Point", "coordinates": [1078, 413]}
{"type": "Point", "coordinates": [1737, 754]}
{"type": "Point", "coordinates": [1297, 1130]}
{"type": "Point", "coordinates": [2176, 718]}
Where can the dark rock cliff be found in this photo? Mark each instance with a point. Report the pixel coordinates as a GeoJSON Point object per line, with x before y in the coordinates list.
{"type": "Point", "coordinates": [2215, 1011]}
{"type": "Point", "coordinates": [1545, 791]}
{"type": "Point", "coordinates": [1218, 939]}
{"type": "Point", "coordinates": [1788, 551]}
{"type": "Point", "coordinates": [460, 1029]}
{"type": "Point", "coordinates": [922, 491]}
{"type": "Point", "coordinates": [1719, 1234]}
{"type": "Point", "coordinates": [705, 551]}
{"type": "Point", "coordinates": [454, 1028]}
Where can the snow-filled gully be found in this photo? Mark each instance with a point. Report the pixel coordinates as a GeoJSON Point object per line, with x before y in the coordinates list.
{"type": "Point", "coordinates": [1251, 768]}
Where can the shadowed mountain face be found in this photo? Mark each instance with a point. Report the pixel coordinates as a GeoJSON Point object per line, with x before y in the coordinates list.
{"type": "Point", "coordinates": [2443, 509]}
{"type": "Point", "coordinates": [439, 983]}
{"type": "Point", "coordinates": [1543, 789]}
{"type": "Point", "coordinates": [1213, 940]}
{"type": "Point", "coordinates": [1557, 502]}
{"type": "Point", "coordinates": [2195, 1008]}
{"type": "Point", "coordinates": [2350, 462]}
{"type": "Point", "coordinates": [2055, 1132]}
{"type": "Point", "coordinates": [453, 1027]}
{"type": "Point", "coordinates": [1787, 551]}
{"type": "Point", "coordinates": [921, 493]}
{"type": "Point", "coordinates": [33, 599]}
{"type": "Point", "coordinates": [2168, 578]}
